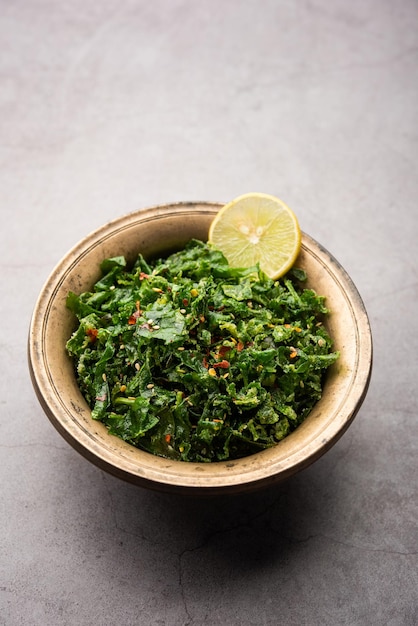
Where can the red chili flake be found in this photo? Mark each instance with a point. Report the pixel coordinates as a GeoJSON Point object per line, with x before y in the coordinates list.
{"type": "Point", "coordinates": [205, 363]}
{"type": "Point", "coordinates": [168, 438]}
{"type": "Point", "coordinates": [224, 350]}
{"type": "Point", "coordinates": [240, 346]}
{"type": "Point", "coordinates": [222, 364]}
{"type": "Point", "coordinates": [92, 334]}
{"type": "Point", "coordinates": [185, 301]}
{"type": "Point", "coordinates": [143, 275]}
{"type": "Point", "coordinates": [134, 317]}
{"type": "Point", "coordinates": [135, 314]}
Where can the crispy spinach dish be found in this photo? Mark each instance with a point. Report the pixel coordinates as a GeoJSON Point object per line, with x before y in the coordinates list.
{"type": "Point", "coordinates": [189, 359]}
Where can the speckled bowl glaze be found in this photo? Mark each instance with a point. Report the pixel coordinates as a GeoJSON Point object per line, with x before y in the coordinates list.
{"type": "Point", "coordinates": [156, 231]}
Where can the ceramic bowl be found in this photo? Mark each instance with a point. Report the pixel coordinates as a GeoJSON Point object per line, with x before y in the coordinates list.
{"type": "Point", "coordinates": [156, 231]}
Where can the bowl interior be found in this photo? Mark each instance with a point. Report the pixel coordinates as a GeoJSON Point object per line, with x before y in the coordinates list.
{"type": "Point", "coordinates": [157, 231]}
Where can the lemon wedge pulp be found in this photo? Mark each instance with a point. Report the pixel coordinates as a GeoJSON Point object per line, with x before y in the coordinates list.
{"type": "Point", "coordinates": [257, 228]}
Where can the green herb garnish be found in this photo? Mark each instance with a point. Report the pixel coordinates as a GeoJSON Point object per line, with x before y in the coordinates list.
{"type": "Point", "coordinates": [190, 359]}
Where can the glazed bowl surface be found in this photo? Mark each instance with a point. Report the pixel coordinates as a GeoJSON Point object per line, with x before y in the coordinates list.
{"type": "Point", "coordinates": [155, 232]}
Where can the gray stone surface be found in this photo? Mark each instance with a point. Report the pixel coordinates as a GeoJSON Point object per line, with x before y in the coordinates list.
{"type": "Point", "coordinates": [111, 106]}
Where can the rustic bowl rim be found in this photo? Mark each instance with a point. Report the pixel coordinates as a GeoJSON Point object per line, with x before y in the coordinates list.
{"type": "Point", "coordinates": [122, 460]}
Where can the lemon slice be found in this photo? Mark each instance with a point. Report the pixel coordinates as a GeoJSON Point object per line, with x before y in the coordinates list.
{"type": "Point", "coordinates": [257, 228]}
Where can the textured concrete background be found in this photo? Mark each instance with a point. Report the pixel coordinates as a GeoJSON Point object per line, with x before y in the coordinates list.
{"type": "Point", "coordinates": [114, 105]}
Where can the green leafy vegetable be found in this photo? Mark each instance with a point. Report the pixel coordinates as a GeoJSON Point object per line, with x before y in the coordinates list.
{"type": "Point", "coordinates": [190, 359]}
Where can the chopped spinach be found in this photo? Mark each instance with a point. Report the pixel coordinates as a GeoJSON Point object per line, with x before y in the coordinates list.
{"type": "Point", "coordinates": [190, 359]}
